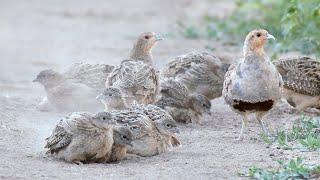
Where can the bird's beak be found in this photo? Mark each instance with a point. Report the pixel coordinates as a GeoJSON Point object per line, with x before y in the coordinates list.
{"type": "Point", "coordinates": [158, 37]}
{"type": "Point", "coordinates": [35, 80]}
{"type": "Point", "coordinates": [269, 36]}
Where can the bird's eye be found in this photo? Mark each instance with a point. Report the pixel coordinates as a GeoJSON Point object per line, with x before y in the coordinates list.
{"type": "Point", "coordinates": [124, 137]}
{"type": "Point", "coordinates": [104, 118]}
{"type": "Point", "coordinates": [146, 37]}
{"type": "Point", "coordinates": [258, 35]}
{"type": "Point", "coordinates": [204, 105]}
{"type": "Point", "coordinates": [110, 94]}
{"type": "Point", "coordinates": [169, 125]}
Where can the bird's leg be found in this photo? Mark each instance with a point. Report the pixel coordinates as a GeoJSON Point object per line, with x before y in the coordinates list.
{"type": "Point", "coordinates": [259, 116]}
{"type": "Point", "coordinates": [243, 127]}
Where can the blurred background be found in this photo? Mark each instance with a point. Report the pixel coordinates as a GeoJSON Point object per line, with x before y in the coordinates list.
{"type": "Point", "coordinates": [38, 35]}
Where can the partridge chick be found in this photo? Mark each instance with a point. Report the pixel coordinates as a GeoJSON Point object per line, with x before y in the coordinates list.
{"type": "Point", "coordinates": [201, 73]}
{"type": "Point", "coordinates": [181, 105]}
{"type": "Point", "coordinates": [164, 122]}
{"type": "Point", "coordinates": [82, 137]}
{"type": "Point", "coordinates": [254, 84]}
{"type": "Point", "coordinates": [122, 137]}
{"type": "Point", "coordinates": [301, 79]}
{"type": "Point", "coordinates": [148, 139]}
{"type": "Point", "coordinates": [112, 99]}
{"type": "Point", "coordinates": [136, 77]}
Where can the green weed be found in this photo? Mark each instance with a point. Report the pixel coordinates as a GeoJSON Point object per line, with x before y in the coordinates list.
{"type": "Point", "coordinates": [294, 169]}
{"type": "Point", "coordinates": [295, 24]}
{"type": "Point", "coordinates": [305, 134]}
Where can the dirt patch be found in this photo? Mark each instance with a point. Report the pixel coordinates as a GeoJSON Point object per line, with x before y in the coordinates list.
{"type": "Point", "coordinates": [37, 35]}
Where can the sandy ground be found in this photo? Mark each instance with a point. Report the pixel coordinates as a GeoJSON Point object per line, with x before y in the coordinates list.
{"type": "Point", "coordinates": [37, 35]}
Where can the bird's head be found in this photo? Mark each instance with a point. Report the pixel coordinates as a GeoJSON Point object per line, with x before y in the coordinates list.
{"type": "Point", "coordinates": [201, 104]}
{"type": "Point", "coordinates": [103, 120]}
{"type": "Point", "coordinates": [112, 98]}
{"type": "Point", "coordinates": [122, 136]}
{"type": "Point", "coordinates": [144, 44]}
{"type": "Point", "coordinates": [167, 125]}
{"type": "Point", "coordinates": [48, 77]}
{"type": "Point", "coordinates": [255, 41]}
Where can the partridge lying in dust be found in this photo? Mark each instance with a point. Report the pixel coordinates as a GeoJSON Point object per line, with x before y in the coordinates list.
{"type": "Point", "coordinates": [82, 137]}
{"type": "Point", "coordinates": [74, 89]}
{"type": "Point", "coordinates": [136, 77]}
{"type": "Point", "coordinates": [122, 139]}
{"type": "Point", "coordinates": [149, 139]}
{"type": "Point", "coordinates": [201, 73]}
{"type": "Point", "coordinates": [301, 81]}
{"type": "Point", "coordinates": [182, 105]}
{"type": "Point", "coordinates": [254, 84]}
{"type": "Point", "coordinates": [112, 99]}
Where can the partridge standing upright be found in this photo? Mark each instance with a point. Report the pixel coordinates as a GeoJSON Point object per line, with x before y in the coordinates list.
{"type": "Point", "coordinates": [136, 77]}
{"type": "Point", "coordinates": [254, 84]}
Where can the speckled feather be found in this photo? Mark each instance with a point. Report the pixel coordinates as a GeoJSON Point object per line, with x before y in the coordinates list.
{"type": "Point", "coordinates": [92, 75]}
{"type": "Point", "coordinates": [66, 127]}
{"type": "Point", "coordinates": [200, 72]}
{"type": "Point", "coordinates": [300, 74]}
{"type": "Point", "coordinates": [173, 93]}
{"type": "Point", "coordinates": [137, 79]}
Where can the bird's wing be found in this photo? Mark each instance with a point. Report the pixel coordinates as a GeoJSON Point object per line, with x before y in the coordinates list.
{"type": "Point", "coordinates": [74, 89]}
{"type": "Point", "coordinates": [227, 83]}
{"type": "Point", "coordinates": [59, 138]}
{"type": "Point", "coordinates": [197, 69]}
{"type": "Point", "coordinates": [72, 124]}
{"type": "Point", "coordinates": [153, 112]}
{"type": "Point", "coordinates": [172, 93]}
{"type": "Point", "coordinates": [181, 65]}
{"type": "Point", "coordinates": [136, 77]}
{"type": "Point", "coordinates": [138, 123]}
{"type": "Point", "coordinates": [300, 74]}
{"type": "Point", "coordinates": [92, 75]}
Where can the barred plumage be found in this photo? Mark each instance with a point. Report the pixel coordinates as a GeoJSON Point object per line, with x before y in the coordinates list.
{"type": "Point", "coordinates": [301, 77]}
{"type": "Point", "coordinates": [182, 105]}
{"type": "Point", "coordinates": [82, 137]}
{"type": "Point", "coordinates": [201, 73]}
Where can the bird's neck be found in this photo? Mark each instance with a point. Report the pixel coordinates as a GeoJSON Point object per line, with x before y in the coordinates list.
{"type": "Point", "coordinates": [138, 53]}
{"type": "Point", "coordinates": [250, 49]}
